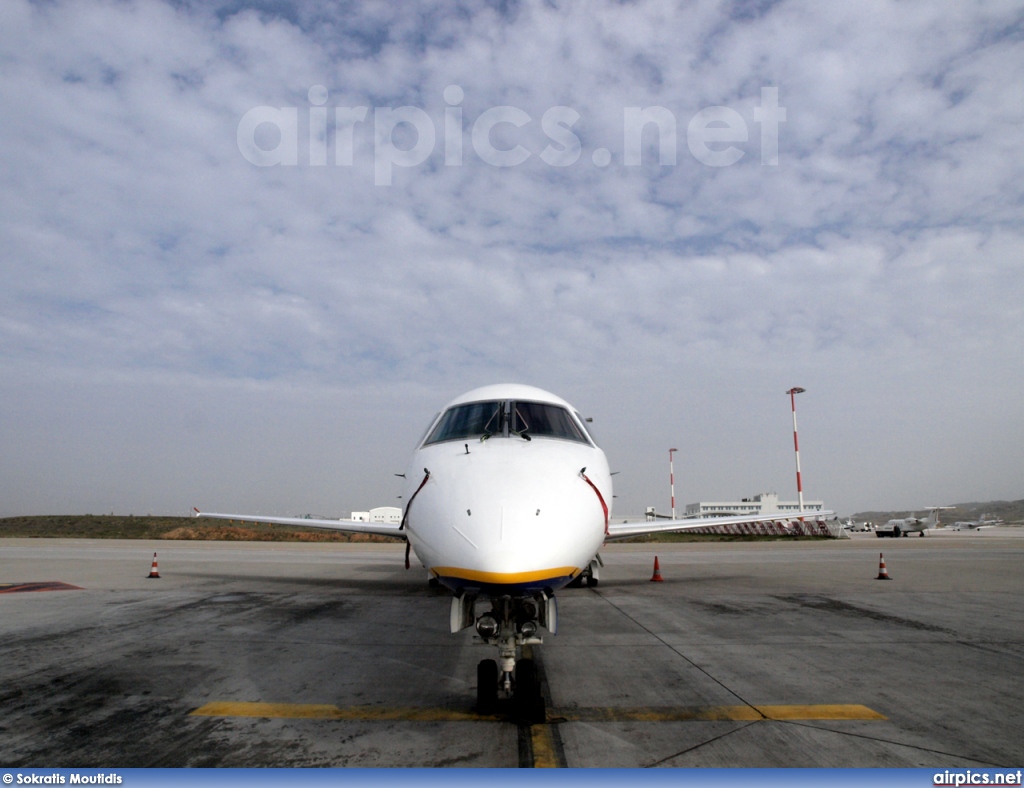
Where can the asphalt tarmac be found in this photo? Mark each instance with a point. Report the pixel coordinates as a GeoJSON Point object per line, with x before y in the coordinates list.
{"type": "Point", "coordinates": [748, 654]}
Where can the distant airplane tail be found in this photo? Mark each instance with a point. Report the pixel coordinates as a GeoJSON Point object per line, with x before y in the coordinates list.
{"type": "Point", "coordinates": [933, 516]}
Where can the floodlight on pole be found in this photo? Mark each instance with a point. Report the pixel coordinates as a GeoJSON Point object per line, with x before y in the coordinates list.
{"type": "Point", "coordinates": [796, 445]}
{"type": "Point", "coordinates": [672, 481]}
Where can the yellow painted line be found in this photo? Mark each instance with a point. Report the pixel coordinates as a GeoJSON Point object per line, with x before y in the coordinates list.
{"type": "Point", "coordinates": [51, 585]}
{"type": "Point", "coordinates": [826, 712]}
{"type": "Point", "coordinates": [542, 740]}
{"type": "Point", "coordinates": [318, 711]}
{"type": "Point", "coordinates": [291, 710]}
{"type": "Point", "coordinates": [654, 714]}
{"type": "Point", "coordinates": [544, 753]}
{"type": "Point", "coordinates": [713, 713]}
{"type": "Point", "coordinates": [505, 577]}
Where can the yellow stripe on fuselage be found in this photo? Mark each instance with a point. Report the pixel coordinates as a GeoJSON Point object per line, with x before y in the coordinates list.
{"type": "Point", "coordinates": [505, 578]}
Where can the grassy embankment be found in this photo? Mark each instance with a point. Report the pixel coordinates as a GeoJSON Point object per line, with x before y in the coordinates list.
{"type": "Point", "coordinates": [89, 526]}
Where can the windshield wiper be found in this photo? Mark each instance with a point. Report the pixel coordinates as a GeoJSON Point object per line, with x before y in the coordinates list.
{"type": "Point", "coordinates": [522, 433]}
{"type": "Point", "coordinates": [489, 432]}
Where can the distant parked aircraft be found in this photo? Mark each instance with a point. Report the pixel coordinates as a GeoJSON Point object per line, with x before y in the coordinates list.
{"type": "Point", "coordinates": [974, 525]}
{"type": "Point", "coordinates": [906, 525]}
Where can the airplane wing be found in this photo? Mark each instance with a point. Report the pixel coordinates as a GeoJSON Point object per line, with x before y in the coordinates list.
{"type": "Point", "coordinates": [626, 530]}
{"type": "Point", "coordinates": [350, 526]}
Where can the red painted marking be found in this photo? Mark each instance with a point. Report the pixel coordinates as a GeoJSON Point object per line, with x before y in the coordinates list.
{"type": "Point", "coordinates": [600, 497]}
{"type": "Point", "coordinates": [14, 588]}
{"type": "Point", "coordinates": [408, 506]}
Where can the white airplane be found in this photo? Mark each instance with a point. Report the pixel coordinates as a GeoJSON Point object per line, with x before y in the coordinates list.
{"type": "Point", "coordinates": [906, 525]}
{"type": "Point", "coordinates": [508, 499]}
{"type": "Point", "coordinates": [974, 525]}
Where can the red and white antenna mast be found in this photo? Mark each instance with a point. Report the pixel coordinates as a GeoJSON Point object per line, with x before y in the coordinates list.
{"type": "Point", "coordinates": [796, 445]}
{"type": "Point", "coordinates": [672, 481]}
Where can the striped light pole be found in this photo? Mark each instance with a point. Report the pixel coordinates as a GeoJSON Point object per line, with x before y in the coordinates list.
{"type": "Point", "coordinates": [796, 445]}
{"type": "Point", "coordinates": [672, 481]}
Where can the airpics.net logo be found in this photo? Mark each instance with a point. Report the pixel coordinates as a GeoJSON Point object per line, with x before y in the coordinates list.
{"type": "Point", "coordinates": [974, 777]}
{"type": "Point", "coordinates": [408, 137]}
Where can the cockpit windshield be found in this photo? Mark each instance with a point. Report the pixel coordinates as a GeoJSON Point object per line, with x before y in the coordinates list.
{"type": "Point", "coordinates": [543, 419]}
{"type": "Point", "coordinates": [473, 420]}
{"type": "Point", "coordinates": [505, 418]}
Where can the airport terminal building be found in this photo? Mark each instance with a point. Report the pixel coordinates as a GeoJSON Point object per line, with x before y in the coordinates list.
{"type": "Point", "coordinates": [764, 503]}
{"type": "Point", "coordinates": [382, 514]}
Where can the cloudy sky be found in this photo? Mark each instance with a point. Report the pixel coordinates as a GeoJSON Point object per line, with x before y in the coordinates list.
{"type": "Point", "coordinates": [248, 249]}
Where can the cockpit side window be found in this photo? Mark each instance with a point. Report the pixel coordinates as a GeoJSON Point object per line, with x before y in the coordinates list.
{"type": "Point", "coordinates": [587, 429]}
{"type": "Point", "coordinates": [427, 428]}
{"type": "Point", "coordinates": [472, 420]}
{"type": "Point", "coordinates": [541, 419]}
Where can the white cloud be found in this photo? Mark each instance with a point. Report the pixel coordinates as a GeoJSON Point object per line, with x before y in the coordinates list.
{"type": "Point", "coordinates": [153, 277]}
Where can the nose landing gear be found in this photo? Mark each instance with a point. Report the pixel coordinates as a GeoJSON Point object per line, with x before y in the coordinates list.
{"type": "Point", "coordinates": [510, 625]}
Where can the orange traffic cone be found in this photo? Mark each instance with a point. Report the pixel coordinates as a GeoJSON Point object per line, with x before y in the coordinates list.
{"type": "Point", "coordinates": [656, 577]}
{"type": "Point", "coordinates": [883, 573]}
{"type": "Point", "coordinates": [154, 572]}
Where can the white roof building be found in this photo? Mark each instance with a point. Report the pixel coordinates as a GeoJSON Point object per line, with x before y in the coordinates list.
{"type": "Point", "coordinates": [763, 503]}
{"type": "Point", "coordinates": [382, 514]}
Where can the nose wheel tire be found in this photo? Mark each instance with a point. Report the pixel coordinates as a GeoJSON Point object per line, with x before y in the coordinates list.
{"type": "Point", "coordinates": [529, 702]}
{"type": "Point", "coordinates": [487, 686]}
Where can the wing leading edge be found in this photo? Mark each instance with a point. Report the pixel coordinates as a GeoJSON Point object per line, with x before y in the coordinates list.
{"type": "Point", "coordinates": [350, 526]}
{"type": "Point", "coordinates": [626, 530]}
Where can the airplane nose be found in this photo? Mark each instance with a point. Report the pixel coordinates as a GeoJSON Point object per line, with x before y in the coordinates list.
{"type": "Point", "coordinates": [512, 508]}
{"type": "Point", "coordinates": [493, 526]}
{"type": "Point", "coordinates": [511, 537]}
